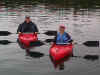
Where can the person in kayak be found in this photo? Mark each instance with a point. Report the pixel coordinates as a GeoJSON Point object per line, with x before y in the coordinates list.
{"type": "Point", "coordinates": [27, 26]}
{"type": "Point", "coordinates": [62, 37]}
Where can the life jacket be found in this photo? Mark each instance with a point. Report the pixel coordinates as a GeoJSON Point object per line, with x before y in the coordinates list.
{"type": "Point", "coordinates": [62, 39]}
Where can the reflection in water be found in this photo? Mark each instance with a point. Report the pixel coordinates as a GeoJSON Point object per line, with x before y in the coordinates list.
{"type": "Point", "coordinates": [5, 42]}
{"type": "Point", "coordinates": [60, 64]}
{"type": "Point", "coordinates": [88, 57]}
{"type": "Point", "coordinates": [32, 45]}
{"type": "Point", "coordinates": [79, 21]}
{"type": "Point", "coordinates": [91, 57]}
{"type": "Point", "coordinates": [57, 3]}
{"type": "Point", "coordinates": [36, 54]}
{"type": "Point", "coordinates": [81, 17]}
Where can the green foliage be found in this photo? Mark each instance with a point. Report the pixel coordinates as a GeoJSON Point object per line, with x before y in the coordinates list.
{"type": "Point", "coordinates": [62, 3]}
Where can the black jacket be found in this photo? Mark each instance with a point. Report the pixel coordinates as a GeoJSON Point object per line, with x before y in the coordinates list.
{"type": "Point", "coordinates": [27, 27]}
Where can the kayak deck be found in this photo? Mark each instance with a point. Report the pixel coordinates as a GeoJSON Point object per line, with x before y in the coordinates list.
{"type": "Point", "coordinates": [58, 52]}
{"type": "Point", "coordinates": [27, 38]}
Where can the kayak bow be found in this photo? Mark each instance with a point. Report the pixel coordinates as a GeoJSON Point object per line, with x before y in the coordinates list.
{"type": "Point", "coordinates": [58, 52]}
{"type": "Point", "coordinates": [27, 38]}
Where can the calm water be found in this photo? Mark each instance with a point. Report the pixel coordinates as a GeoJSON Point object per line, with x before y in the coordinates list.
{"type": "Point", "coordinates": [82, 25]}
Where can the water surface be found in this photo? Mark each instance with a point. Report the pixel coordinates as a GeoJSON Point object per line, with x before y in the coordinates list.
{"type": "Point", "coordinates": [82, 24]}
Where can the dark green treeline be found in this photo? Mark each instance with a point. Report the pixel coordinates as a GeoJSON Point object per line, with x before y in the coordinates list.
{"type": "Point", "coordinates": [55, 3]}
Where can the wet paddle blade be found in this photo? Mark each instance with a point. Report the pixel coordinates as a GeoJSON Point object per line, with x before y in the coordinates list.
{"type": "Point", "coordinates": [88, 57]}
{"type": "Point", "coordinates": [5, 42]}
{"type": "Point", "coordinates": [36, 54]}
{"type": "Point", "coordinates": [91, 57]}
{"type": "Point", "coordinates": [49, 40]}
{"type": "Point", "coordinates": [4, 33]}
{"type": "Point", "coordinates": [91, 43]}
{"type": "Point", "coordinates": [7, 33]}
{"type": "Point", "coordinates": [51, 33]}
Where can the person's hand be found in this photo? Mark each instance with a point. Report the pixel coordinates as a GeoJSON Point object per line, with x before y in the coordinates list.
{"type": "Point", "coordinates": [36, 32]}
{"type": "Point", "coordinates": [19, 32]}
{"type": "Point", "coordinates": [51, 43]}
{"type": "Point", "coordinates": [74, 42]}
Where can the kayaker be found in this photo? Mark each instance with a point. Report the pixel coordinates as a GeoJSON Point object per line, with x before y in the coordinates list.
{"type": "Point", "coordinates": [27, 26]}
{"type": "Point", "coordinates": [62, 37]}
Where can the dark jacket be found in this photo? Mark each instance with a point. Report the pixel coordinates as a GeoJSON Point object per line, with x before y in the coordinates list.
{"type": "Point", "coordinates": [66, 39]}
{"type": "Point", "coordinates": [27, 27]}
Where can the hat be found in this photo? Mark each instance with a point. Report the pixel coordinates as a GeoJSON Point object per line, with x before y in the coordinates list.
{"type": "Point", "coordinates": [27, 16]}
{"type": "Point", "coordinates": [62, 26]}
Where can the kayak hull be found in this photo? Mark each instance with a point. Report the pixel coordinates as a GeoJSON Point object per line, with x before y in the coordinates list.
{"type": "Point", "coordinates": [27, 38]}
{"type": "Point", "coordinates": [59, 52]}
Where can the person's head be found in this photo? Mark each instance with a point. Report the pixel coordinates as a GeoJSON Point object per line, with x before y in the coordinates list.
{"type": "Point", "coordinates": [62, 29]}
{"type": "Point", "coordinates": [27, 19]}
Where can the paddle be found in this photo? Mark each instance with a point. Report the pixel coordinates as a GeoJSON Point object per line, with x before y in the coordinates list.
{"type": "Point", "coordinates": [36, 54]}
{"type": "Point", "coordinates": [91, 43]}
{"type": "Point", "coordinates": [5, 42]}
{"type": "Point", "coordinates": [5, 33]}
{"type": "Point", "coordinates": [88, 57]}
{"type": "Point", "coordinates": [86, 43]}
{"type": "Point", "coordinates": [49, 33]}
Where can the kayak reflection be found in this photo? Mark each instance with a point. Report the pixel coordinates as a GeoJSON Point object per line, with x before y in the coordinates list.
{"type": "Point", "coordinates": [59, 64]}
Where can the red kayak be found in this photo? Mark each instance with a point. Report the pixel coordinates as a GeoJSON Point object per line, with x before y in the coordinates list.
{"type": "Point", "coordinates": [27, 38]}
{"type": "Point", "coordinates": [58, 52]}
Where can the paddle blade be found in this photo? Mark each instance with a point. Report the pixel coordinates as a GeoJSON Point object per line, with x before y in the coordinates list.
{"type": "Point", "coordinates": [91, 43]}
{"type": "Point", "coordinates": [91, 57]}
{"type": "Point", "coordinates": [4, 33]}
{"type": "Point", "coordinates": [88, 57]}
{"type": "Point", "coordinates": [5, 42]}
{"type": "Point", "coordinates": [49, 40]}
{"type": "Point", "coordinates": [51, 33]}
{"type": "Point", "coordinates": [36, 54]}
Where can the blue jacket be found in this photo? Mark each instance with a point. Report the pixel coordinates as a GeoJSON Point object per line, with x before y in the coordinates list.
{"type": "Point", "coordinates": [62, 39]}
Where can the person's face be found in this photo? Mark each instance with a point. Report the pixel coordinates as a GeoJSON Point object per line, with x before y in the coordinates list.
{"type": "Point", "coordinates": [27, 20]}
{"type": "Point", "coordinates": [61, 30]}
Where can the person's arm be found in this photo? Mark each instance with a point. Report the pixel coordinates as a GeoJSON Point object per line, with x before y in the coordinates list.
{"type": "Point", "coordinates": [35, 27]}
{"type": "Point", "coordinates": [55, 39]}
{"type": "Point", "coordinates": [69, 38]}
{"type": "Point", "coordinates": [19, 29]}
